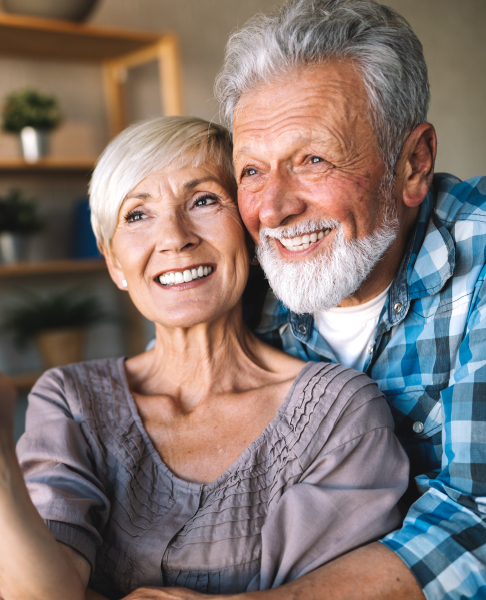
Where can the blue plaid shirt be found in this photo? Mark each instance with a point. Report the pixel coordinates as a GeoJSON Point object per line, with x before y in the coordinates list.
{"type": "Point", "coordinates": [429, 359]}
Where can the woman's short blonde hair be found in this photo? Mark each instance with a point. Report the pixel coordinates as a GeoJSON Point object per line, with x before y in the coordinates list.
{"type": "Point", "coordinates": [145, 148]}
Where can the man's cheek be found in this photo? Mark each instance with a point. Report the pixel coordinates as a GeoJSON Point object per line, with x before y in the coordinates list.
{"type": "Point", "coordinates": [249, 211]}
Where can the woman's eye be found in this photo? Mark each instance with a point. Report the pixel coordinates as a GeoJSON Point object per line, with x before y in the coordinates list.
{"type": "Point", "coordinates": [134, 216]}
{"type": "Point", "coordinates": [205, 201]}
{"type": "Point", "coordinates": [315, 159]}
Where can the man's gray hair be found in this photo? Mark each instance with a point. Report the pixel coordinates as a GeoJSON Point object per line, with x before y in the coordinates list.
{"type": "Point", "coordinates": [378, 40]}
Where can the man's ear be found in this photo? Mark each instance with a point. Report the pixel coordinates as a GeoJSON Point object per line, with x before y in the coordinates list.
{"type": "Point", "coordinates": [114, 269]}
{"type": "Point", "coordinates": [415, 167]}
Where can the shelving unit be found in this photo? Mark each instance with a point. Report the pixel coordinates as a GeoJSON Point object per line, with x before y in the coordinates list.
{"type": "Point", "coordinates": [48, 165]}
{"type": "Point", "coordinates": [115, 51]}
{"type": "Point", "coordinates": [52, 267]}
{"type": "Point", "coordinates": [24, 381]}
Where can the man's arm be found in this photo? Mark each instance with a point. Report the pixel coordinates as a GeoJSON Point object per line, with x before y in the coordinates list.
{"type": "Point", "coordinates": [372, 572]}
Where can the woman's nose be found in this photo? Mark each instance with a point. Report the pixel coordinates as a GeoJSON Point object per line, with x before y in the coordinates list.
{"type": "Point", "coordinates": [176, 235]}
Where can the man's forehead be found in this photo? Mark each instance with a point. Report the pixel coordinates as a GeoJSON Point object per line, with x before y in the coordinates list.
{"type": "Point", "coordinates": [303, 106]}
{"type": "Point", "coordinates": [297, 139]}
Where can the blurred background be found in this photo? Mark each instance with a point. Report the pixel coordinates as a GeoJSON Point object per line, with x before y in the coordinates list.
{"type": "Point", "coordinates": [75, 85]}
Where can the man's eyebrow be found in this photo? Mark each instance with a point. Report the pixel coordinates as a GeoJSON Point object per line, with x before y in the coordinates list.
{"type": "Point", "coordinates": [242, 150]}
{"type": "Point", "coordinates": [301, 140]}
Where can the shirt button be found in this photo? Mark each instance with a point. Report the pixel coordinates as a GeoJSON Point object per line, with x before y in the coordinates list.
{"type": "Point", "coordinates": [398, 307]}
{"type": "Point", "coordinates": [418, 427]}
{"type": "Point", "coordinates": [302, 329]}
{"type": "Point", "coordinates": [370, 349]}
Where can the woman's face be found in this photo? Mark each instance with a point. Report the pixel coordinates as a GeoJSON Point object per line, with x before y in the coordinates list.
{"type": "Point", "coordinates": [180, 244]}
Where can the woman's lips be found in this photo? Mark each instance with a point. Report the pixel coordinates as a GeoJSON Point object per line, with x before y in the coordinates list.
{"type": "Point", "coordinates": [192, 274]}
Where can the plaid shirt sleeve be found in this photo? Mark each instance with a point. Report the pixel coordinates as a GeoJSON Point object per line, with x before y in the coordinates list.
{"type": "Point", "coordinates": [443, 539]}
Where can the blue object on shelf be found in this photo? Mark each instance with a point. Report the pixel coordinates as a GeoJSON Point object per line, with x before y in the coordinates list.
{"type": "Point", "coordinates": [84, 241]}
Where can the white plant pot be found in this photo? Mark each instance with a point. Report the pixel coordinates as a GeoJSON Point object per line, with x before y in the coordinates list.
{"type": "Point", "coordinates": [34, 144]}
{"type": "Point", "coordinates": [69, 10]}
{"type": "Point", "coordinates": [14, 247]}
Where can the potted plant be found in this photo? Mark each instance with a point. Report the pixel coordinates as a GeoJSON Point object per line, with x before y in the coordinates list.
{"type": "Point", "coordinates": [33, 115]}
{"type": "Point", "coordinates": [19, 219]}
{"type": "Point", "coordinates": [56, 322]}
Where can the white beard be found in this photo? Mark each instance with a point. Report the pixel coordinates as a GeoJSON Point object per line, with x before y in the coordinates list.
{"type": "Point", "coordinates": [322, 282]}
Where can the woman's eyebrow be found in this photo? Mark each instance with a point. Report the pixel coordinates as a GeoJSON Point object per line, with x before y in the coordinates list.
{"type": "Point", "coordinates": [138, 196]}
{"type": "Point", "coordinates": [195, 182]}
{"type": "Point", "coordinates": [189, 185]}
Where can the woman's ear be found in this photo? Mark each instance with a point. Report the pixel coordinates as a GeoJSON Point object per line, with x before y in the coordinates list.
{"type": "Point", "coordinates": [114, 269]}
{"type": "Point", "coordinates": [415, 167]}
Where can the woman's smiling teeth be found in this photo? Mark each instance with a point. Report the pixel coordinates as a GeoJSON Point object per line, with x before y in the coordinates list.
{"type": "Point", "coordinates": [303, 242]}
{"type": "Point", "coordinates": [177, 277]}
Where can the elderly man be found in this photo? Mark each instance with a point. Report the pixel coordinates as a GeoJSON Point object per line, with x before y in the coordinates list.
{"type": "Point", "coordinates": [374, 263]}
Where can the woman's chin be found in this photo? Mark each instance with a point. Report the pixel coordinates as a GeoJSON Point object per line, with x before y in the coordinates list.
{"type": "Point", "coordinates": [188, 317]}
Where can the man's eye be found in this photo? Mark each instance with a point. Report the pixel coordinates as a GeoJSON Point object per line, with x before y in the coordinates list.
{"type": "Point", "coordinates": [133, 216]}
{"type": "Point", "coordinates": [249, 171]}
{"type": "Point", "coordinates": [205, 201]}
{"type": "Point", "coordinates": [315, 159]}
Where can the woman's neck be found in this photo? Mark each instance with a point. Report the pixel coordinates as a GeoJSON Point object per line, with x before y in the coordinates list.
{"type": "Point", "coordinates": [192, 363]}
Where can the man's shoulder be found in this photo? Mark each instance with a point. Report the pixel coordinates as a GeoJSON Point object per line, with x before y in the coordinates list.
{"type": "Point", "coordinates": [458, 200]}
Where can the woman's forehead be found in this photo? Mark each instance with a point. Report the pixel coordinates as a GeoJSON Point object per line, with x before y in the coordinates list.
{"type": "Point", "coordinates": [178, 180]}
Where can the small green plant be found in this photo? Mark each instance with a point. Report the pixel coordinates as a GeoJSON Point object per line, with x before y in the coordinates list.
{"type": "Point", "coordinates": [19, 214]}
{"type": "Point", "coordinates": [30, 108]}
{"type": "Point", "coordinates": [34, 313]}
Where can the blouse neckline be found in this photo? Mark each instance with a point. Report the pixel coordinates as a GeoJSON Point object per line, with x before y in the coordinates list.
{"type": "Point", "coordinates": [244, 456]}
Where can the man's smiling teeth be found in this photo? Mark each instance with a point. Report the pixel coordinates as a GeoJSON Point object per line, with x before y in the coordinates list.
{"type": "Point", "coordinates": [303, 242]}
{"type": "Point", "coordinates": [176, 277]}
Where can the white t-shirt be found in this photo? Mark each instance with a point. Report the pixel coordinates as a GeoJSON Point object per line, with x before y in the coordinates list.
{"type": "Point", "coordinates": [350, 330]}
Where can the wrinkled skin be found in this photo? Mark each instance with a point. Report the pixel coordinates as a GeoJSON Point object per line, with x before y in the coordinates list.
{"type": "Point", "coordinates": [304, 149]}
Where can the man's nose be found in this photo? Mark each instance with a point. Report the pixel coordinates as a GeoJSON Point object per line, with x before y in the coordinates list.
{"type": "Point", "coordinates": [279, 200]}
{"type": "Point", "coordinates": [176, 235]}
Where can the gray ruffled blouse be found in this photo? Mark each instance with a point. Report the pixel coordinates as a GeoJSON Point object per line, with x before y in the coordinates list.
{"type": "Point", "coordinates": [324, 477]}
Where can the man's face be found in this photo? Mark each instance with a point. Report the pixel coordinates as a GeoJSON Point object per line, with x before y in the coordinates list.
{"type": "Point", "coordinates": [307, 161]}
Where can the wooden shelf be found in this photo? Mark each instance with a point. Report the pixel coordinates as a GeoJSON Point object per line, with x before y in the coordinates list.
{"type": "Point", "coordinates": [53, 267]}
{"type": "Point", "coordinates": [62, 40]}
{"type": "Point", "coordinates": [48, 164]}
{"type": "Point", "coordinates": [24, 381]}
{"type": "Point", "coordinates": [116, 50]}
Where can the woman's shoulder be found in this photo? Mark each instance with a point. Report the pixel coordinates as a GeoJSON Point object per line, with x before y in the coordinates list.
{"type": "Point", "coordinates": [72, 388]}
{"type": "Point", "coordinates": [332, 387]}
{"type": "Point", "coordinates": [322, 398]}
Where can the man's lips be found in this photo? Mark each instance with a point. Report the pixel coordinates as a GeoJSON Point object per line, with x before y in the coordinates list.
{"type": "Point", "coordinates": [303, 242]}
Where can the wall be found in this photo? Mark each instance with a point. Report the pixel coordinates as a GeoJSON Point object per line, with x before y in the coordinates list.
{"type": "Point", "coordinates": [452, 32]}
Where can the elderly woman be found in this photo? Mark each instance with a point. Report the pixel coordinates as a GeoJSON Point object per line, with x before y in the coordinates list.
{"type": "Point", "coordinates": [212, 462]}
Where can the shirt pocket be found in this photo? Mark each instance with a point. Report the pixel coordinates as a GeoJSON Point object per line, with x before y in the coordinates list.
{"type": "Point", "coordinates": [440, 306]}
{"type": "Point", "coordinates": [417, 410]}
